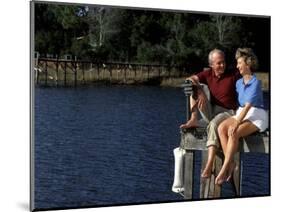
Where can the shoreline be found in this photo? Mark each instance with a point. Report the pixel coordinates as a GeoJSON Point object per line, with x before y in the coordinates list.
{"type": "Point", "coordinates": [174, 82]}
{"type": "Point", "coordinates": [60, 73]}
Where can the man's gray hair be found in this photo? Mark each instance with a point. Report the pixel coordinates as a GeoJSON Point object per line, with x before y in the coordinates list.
{"type": "Point", "coordinates": [210, 58]}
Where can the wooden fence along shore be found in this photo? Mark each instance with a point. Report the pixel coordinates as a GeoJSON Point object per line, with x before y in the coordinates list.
{"type": "Point", "coordinates": [195, 140]}
{"type": "Point", "coordinates": [58, 72]}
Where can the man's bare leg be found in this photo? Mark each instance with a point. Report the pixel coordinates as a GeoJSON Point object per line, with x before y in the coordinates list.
{"type": "Point", "coordinates": [193, 121]}
{"type": "Point", "coordinates": [209, 164]}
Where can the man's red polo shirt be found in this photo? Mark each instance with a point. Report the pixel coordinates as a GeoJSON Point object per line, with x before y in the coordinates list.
{"type": "Point", "coordinates": [223, 89]}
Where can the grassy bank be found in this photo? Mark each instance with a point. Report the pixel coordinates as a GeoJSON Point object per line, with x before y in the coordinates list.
{"type": "Point", "coordinates": [176, 82]}
{"type": "Point", "coordinates": [163, 81]}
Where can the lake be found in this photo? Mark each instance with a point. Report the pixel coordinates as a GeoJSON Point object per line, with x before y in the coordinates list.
{"type": "Point", "coordinates": [113, 145]}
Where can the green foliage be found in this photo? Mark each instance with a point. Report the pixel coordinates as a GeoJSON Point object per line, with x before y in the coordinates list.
{"type": "Point", "coordinates": [57, 27]}
{"type": "Point", "coordinates": [141, 36]}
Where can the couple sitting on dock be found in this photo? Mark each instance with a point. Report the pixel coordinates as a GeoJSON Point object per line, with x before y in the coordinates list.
{"type": "Point", "coordinates": [226, 122]}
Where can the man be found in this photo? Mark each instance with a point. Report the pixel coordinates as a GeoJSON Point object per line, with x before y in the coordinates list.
{"type": "Point", "coordinates": [221, 105]}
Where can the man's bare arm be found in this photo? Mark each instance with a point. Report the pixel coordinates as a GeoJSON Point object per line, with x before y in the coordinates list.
{"type": "Point", "coordinates": [201, 96]}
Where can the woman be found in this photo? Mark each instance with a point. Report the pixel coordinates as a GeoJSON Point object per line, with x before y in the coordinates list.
{"type": "Point", "coordinates": [250, 116]}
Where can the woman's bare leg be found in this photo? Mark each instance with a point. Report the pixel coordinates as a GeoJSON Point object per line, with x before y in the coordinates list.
{"type": "Point", "coordinates": [223, 135]}
{"type": "Point", "coordinates": [224, 139]}
{"type": "Point", "coordinates": [245, 128]}
{"type": "Point", "coordinates": [223, 132]}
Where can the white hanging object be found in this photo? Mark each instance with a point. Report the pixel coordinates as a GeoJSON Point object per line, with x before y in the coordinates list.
{"type": "Point", "coordinates": [178, 174]}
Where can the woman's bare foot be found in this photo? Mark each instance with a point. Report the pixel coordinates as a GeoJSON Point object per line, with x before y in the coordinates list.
{"type": "Point", "coordinates": [230, 171]}
{"type": "Point", "coordinates": [225, 174]}
{"type": "Point", "coordinates": [190, 124]}
{"type": "Point", "coordinates": [222, 176]}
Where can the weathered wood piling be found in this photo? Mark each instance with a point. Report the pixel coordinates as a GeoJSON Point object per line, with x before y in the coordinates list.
{"type": "Point", "coordinates": [195, 140]}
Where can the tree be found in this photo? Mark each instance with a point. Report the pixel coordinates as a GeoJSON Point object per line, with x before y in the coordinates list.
{"type": "Point", "coordinates": [227, 29]}
{"type": "Point", "coordinates": [145, 36]}
{"type": "Point", "coordinates": [57, 27]}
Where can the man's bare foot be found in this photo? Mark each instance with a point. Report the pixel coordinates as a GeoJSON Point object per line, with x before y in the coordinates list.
{"type": "Point", "coordinates": [190, 124]}
{"type": "Point", "coordinates": [207, 172]}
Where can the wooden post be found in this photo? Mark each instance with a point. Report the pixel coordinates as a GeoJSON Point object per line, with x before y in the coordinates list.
{"type": "Point", "coordinates": [241, 167]}
{"type": "Point", "coordinates": [75, 74]}
{"type": "Point", "coordinates": [217, 168]}
{"type": "Point", "coordinates": [83, 73]}
{"type": "Point", "coordinates": [189, 175]}
{"type": "Point", "coordinates": [189, 156]}
{"type": "Point", "coordinates": [125, 74]}
{"type": "Point", "coordinates": [37, 75]}
{"type": "Point", "coordinates": [38, 72]}
{"type": "Point", "coordinates": [46, 73]}
{"type": "Point", "coordinates": [236, 180]}
{"type": "Point", "coordinates": [204, 182]}
{"type": "Point", "coordinates": [169, 70]}
{"type": "Point", "coordinates": [117, 74]}
{"type": "Point", "coordinates": [57, 71]}
{"type": "Point", "coordinates": [129, 71]}
{"type": "Point", "coordinates": [188, 92]}
{"type": "Point", "coordinates": [91, 72]}
{"type": "Point", "coordinates": [64, 73]}
{"type": "Point", "coordinates": [94, 68]}
{"type": "Point", "coordinates": [110, 72]}
{"type": "Point", "coordinates": [98, 71]}
{"type": "Point", "coordinates": [103, 70]}
{"type": "Point", "coordinates": [208, 188]}
{"type": "Point", "coordinates": [141, 73]}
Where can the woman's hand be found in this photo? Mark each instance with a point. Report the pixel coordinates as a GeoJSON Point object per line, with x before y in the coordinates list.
{"type": "Point", "coordinates": [232, 128]}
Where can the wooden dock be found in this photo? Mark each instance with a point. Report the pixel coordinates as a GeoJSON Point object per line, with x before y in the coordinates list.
{"type": "Point", "coordinates": [61, 72]}
{"type": "Point", "coordinates": [195, 140]}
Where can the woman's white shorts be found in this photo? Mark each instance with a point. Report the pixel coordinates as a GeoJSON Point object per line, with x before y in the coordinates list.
{"type": "Point", "coordinates": [257, 116]}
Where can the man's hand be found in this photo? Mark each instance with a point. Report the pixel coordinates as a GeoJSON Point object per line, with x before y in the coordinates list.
{"type": "Point", "coordinates": [194, 79]}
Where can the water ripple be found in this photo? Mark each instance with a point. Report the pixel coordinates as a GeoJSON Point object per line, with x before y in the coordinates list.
{"type": "Point", "coordinates": [113, 145]}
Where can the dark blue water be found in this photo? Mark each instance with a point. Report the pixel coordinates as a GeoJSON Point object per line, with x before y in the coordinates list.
{"type": "Point", "coordinates": [114, 145]}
